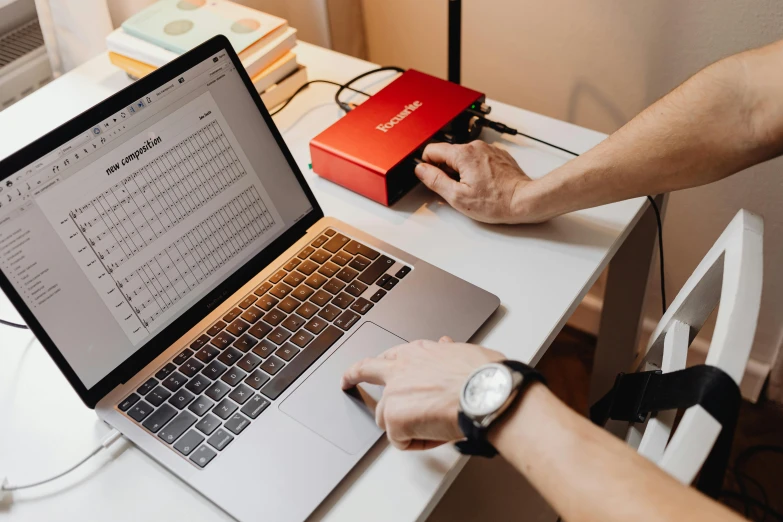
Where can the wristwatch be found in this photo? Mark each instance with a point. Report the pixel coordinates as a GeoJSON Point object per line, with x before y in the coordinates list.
{"type": "Point", "coordinates": [487, 394]}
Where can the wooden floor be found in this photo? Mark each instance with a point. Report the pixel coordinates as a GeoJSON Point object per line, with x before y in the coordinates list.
{"type": "Point", "coordinates": [491, 490]}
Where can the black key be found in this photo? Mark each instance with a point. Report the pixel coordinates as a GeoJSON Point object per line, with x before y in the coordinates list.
{"type": "Point", "coordinates": [224, 409]}
{"type": "Point", "coordinates": [188, 442]}
{"type": "Point", "coordinates": [320, 256]}
{"type": "Point", "coordinates": [281, 290]}
{"type": "Point", "coordinates": [347, 274]}
{"type": "Point", "coordinates": [252, 314]}
{"type": "Point", "coordinates": [233, 314]}
{"type": "Point", "coordinates": [198, 384]}
{"type": "Point", "coordinates": [145, 388]}
{"type": "Point", "coordinates": [222, 339]}
{"type": "Point", "coordinates": [248, 362]}
{"type": "Point", "coordinates": [330, 232]}
{"type": "Point", "coordinates": [316, 280]}
{"type": "Point", "coordinates": [391, 283]}
{"type": "Point", "coordinates": [191, 367]}
{"type": "Point", "coordinates": [301, 362]}
{"type": "Point", "coordinates": [234, 375]}
{"type": "Point", "coordinates": [302, 292]}
{"type": "Point", "coordinates": [355, 247]}
{"type": "Point", "coordinates": [304, 254]}
{"type": "Point", "coordinates": [316, 325]}
{"type": "Point", "coordinates": [182, 356]}
{"type": "Point", "coordinates": [218, 390]}
{"type": "Point", "coordinates": [255, 406]}
{"type": "Point", "coordinates": [207, 353]}
{"type": "Point", "coordinates": [294, 322]}
{"type": "Point", "coordinates": [158, 396]}
{"type": "Point", "coordinates": [201, 405]}
{"type": "Point", "coordinates": [343, 300]}
{"type": "Point", "coordinates": [328, 269]}
{"type": "Point", "coordinates": [329, 312]}
{"type": "Point", "coordinates": [264, 349]}
{"type": "Point", "coordinates": [181, 399]}
{"type": "Point", "coordinates": [279, 335]}
{"type": "Point", "coordinates": [308, 267]}
{"type": "Point", "coordinates": [257, 379]}
{"type": "Point", "coordinates": [177, 427]}
{"type": "Point", "coordinates": [159, 418]}
{"type": "Point", "coordinates": [165, 371]}
{"type": "Point", "coordinates": [346, 320]}
{"type": "Point", "coordinates": [320, 241]}
{"type": "Point", "coordinates": [277, 277]}
{"type": "Point", "coordinates": [356, 288]}
{"type": "Point", "coordinates": [301, 338]}
{"type": "Point", "coordinates": [175, 381]}
{"type": "Point", "coordinates": [375, 270]}
{"type": "Point", "coordinates": [294, 278]}
{"type": "Point", "coordinates": [237, 423]}
{"type": "Point", "coordinates": [274, 317]}
{"type": "Point", "coordinates": [307, 310]}
{"type": "Point", "coordinates": [335, 286]}
{"type": "Point", "coordinates": [382, 281]}
{"type": "Point", "coordinates": [129, 401]}
{"type": "Point", "coordinates": [360, 263]}
{"type": "Point", "coordinates": [341, 258]}
{"type": "Point", "coordinates": [287, 351]}
{"type": "Point", "coordinates": [208, 424]}
{"type": "Point", "coordinates": [362, 306]}
{"type": "Point", "coordinates": [214, 370]}
{"type": "Point", "coordinates": [259, 330]}
{"type": "Point", "coordinates": [288, 304]}
{"type": "Point", "coordinates": [272, 365]}
{"type": "Point", "coordinates": [321, 297]}
{"type": "Point", "coordinates": [202, 456]}
{"type": "Point", "coordinates": [336, 243]}
{"type": "Point", "coordinates": [241, 394]}
{"type": "Point", "coordinates": [220, 439]}
{"type": "Point", "coordinates": [212, 332]}
{"type": "Point", "coordinates": [245, 343]}
{"type": "Point", "coordinates": [402, 272]}
{"type": "Point", "coordinates": [230, 356]}
{"type": "Point", "coordinates": [246, 303]}
{"type": "Point", "coordinates": [263, 288]}
{"type": "Point", "coordinates": [139, 411]}
{"type": "Point", "coordinates": [377, 296]}
{"type": "Point", "coordinates": [291, 264]}
{"type": "Point", "coordinates": [198, 343]}
{"type": "Point", "coordinates": [236, 328]}
{"type": "Point", "coordinates": [266, 303]}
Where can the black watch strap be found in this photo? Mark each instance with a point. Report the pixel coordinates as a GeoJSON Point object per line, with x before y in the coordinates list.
{"type": "Point", "coordinates": [476, 442]}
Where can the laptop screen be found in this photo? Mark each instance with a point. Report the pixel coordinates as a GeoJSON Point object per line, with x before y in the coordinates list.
{"type": "Point", "coordinates": [111, 237]}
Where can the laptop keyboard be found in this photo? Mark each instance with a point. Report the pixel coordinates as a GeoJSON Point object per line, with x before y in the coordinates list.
{"type": "Point", "coordinates": [210, 392]}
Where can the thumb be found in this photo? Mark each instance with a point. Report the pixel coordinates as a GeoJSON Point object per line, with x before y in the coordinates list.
{"type": "Point", "coordinates": [437, 181]}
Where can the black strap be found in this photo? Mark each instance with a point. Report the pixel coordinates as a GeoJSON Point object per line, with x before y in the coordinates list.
{"type": "Point", "coordinates": [636, 395]}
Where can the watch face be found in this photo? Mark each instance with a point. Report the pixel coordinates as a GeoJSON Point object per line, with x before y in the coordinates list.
{"type": "Point", "coordinates": [487, 390]}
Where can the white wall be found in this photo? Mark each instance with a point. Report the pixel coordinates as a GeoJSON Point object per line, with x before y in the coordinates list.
{"type": "Point", "coordinates": [597, 63]}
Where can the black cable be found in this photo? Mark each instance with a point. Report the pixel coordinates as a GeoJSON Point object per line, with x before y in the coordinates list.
{"type": "Point", "coordinates": [14, 325]}
{"type": "Point", "coordinates": [765, 508]}
{"type": "Point", "coordinates": [505, 129]}
{"type": "Point", "coordinates": [346, 85]}
{"type": "Point", "coordinates": [306, 85]}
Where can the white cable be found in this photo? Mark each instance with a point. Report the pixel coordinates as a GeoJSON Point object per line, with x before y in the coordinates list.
{"type": "Point", "coordinates": [110, 439]}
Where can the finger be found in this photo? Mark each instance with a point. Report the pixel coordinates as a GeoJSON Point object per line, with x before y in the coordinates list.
{"type": "Point", "coordinates": [437, 181]}
{"type": "Point", "coordinates": [445, 339]}
{"type": "Point", "coordinates": [380, 420]}
{"type": "Point", "coordinates": [390, 354]}
{"type": "Point", "coordinates": [442, 153]}
{"type": "Point", "coordinates": [371, 371]}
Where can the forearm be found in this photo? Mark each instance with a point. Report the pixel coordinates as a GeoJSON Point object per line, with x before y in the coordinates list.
{"type": "Point", "coordinates": [724, 119]}
{"type": "Point", "coordinates": [586, 474]}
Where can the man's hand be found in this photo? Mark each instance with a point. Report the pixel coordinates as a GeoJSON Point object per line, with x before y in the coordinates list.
{"type": "Point", "coordinates": [492, 188]}
{"type": "Point", "coordinates": [423, 382]}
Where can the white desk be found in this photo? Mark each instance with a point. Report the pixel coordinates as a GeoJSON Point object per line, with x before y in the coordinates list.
{"type": "Point", "coordinates": [540, 273]}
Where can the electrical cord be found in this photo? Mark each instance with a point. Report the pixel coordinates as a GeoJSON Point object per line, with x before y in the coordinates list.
{"type": "Point", "coordinates": [306, 85]}
{"type": "Point", "coordinates": [14, 325]}
{"type": "Point", "coordinates": [345, 106]}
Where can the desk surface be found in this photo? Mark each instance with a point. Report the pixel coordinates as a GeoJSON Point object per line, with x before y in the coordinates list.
{"type": "Point", "coordinates": [539, 272]}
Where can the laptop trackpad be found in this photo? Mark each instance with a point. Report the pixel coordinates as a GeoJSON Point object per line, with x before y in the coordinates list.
{"type": "Point", "coordinates": [342, 418]}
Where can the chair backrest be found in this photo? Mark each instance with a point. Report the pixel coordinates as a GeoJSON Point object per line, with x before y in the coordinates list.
{"type": "Point", "coordinates": [730, 275]}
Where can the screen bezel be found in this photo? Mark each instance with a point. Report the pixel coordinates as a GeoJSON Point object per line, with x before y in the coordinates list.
{"type": "Point", "coordinates": [163, 340]}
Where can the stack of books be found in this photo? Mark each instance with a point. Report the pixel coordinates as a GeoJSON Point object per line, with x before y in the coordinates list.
{"type": "Point", "coordinates": [168, 28]}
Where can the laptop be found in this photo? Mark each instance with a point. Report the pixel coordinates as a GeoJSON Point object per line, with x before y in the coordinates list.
{"type": "Point", "coordinates": [167, 252]}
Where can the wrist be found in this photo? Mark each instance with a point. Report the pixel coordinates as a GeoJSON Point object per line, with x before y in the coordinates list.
{"type": "Point", "coordinates": [509, 429]}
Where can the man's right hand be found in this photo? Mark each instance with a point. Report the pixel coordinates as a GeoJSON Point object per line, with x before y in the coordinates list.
{"type": "Point", "coordinates": [492, 188]}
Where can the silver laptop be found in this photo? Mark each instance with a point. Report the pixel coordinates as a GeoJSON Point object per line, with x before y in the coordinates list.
{"type": "Point", "coordinates": [167, 252]}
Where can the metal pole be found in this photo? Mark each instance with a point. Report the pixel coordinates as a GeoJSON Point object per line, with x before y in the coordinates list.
{"type": "Point", "coordinates": [455, 40]}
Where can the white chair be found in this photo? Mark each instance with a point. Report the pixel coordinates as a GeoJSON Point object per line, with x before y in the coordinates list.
{"type": "Point", "coordinates": [730, 275]}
